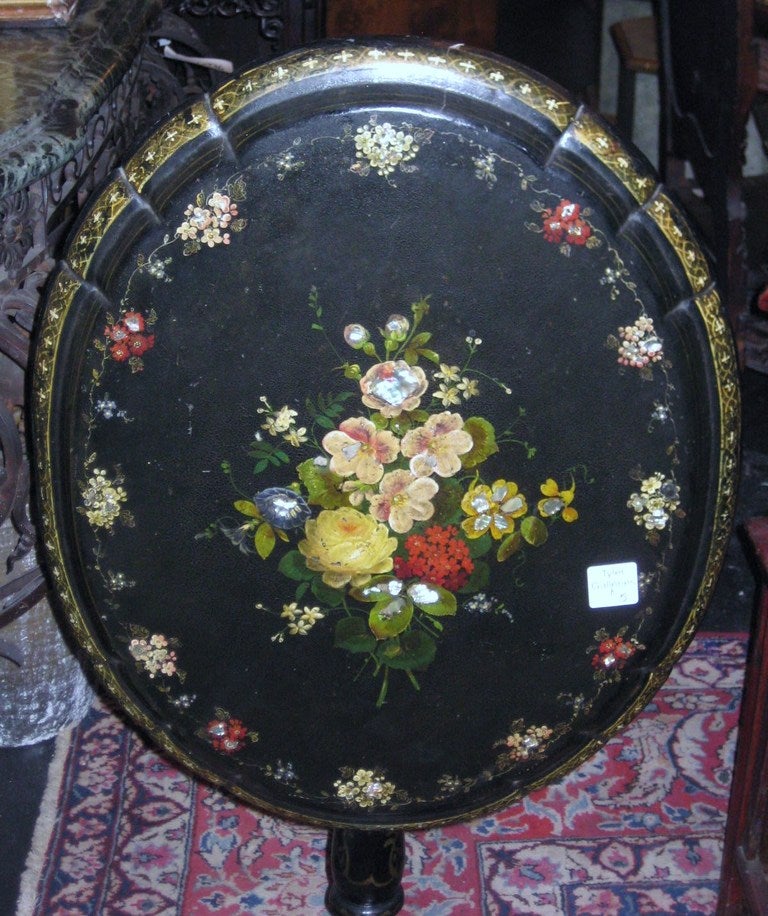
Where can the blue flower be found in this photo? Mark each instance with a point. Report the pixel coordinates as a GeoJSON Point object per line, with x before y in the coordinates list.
{"type": "Point", "coordinates": [282, 508]}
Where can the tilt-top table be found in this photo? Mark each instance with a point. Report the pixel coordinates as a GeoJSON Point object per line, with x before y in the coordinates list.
{"type": "Point", "coordinates": [385, 427]}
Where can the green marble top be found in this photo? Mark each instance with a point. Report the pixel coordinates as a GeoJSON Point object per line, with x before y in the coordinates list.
{"type": "Point", "coordinates": [53, 79]}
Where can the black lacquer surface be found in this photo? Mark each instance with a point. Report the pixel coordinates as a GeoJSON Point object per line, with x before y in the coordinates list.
{"type": "Point", "coordinates": [386, 429]}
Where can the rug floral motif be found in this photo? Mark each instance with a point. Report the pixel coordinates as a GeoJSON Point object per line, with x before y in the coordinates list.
{"type": "Point", "coordinates": [636, 829]}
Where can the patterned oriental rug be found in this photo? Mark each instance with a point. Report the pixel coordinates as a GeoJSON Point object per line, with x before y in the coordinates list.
{"type": "Point", "coordinates": [637, 829]}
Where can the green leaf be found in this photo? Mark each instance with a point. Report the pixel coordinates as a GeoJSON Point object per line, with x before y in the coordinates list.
{"type": "Point", "coordinates": [447, 503]}
{"type": "Point", "coordinates": [323, 486]}
{"type": "Point", "coordinates": [326, 594]}
{"type": "Point", "coordinates": [509, 546]}
{"type": "Point", "coordinates": [432, 599]}
{"type": "Point", "coordinates": [479, 547]}
{"type": "Point", "coordinates": [264, 540]}
{"type": "Point", "coordinates": [483, 442]}
{"type": "Point", "coordinates": [261, 449]}
{"type": "Point", "coordinates": [247, 508]}
{"type": "Point", "coordinates": [534, 530]}
{"type": "Point", "coordinates": [418, 340]}
{"type": "Point", "coordinates": [380, 588]}
{"type": "Point", "coordinates": [400, 425]}
{"type": "Point", "coordinates": [379, 420]}
{"type": "Point", "coordinates": [430, 355]}
{"type": "Point", "coordinates": [420, 308]}
{"type": "Point", "coordinates": [390, 617]}
{"type": "Point", "coordinates": [260, 466]}
{"type": "Point", "coordinates": [293, 566]}
{"type": "Point", "coordinates": [417, 650]}
{"type": "Point", "coordinates": [323, 421]}
{"type": "Point", "coordinates": [352, 634]}
{"type": "Point", "coordinates": [478, 581]}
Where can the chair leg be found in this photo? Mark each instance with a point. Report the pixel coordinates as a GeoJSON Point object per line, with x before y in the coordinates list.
{"type": "Point", "coordinates": [625, 102]}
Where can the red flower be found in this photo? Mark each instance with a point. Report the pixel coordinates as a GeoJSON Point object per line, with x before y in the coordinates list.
{"type": "Point", "coordinates": [762, 300]}
{"type": "Point", "coordinates": [134, 322]}
{"type": "Point", "coordinates": [577, 232]}
{"type": "Point", "coordinates": [565, 223]}
{"type": "Point", "coordinates": [116, 332]}
{"type": "Point", "coordinates": [613, 653]}
{"type": "Point", "coordinates": [438, 556]}
{"type": "Point", "coordinates": [568, 212]}
{"type": "Point", "coordinates": [227, 736]}
{"type": "Point", "coordinates": [140, 343]}
{"type": "Point", "coordinates": [553, 226]}
{"type": "Point", "coordinates": [120, 351]}
{"type": "Point", "coordinates": [129, 337]}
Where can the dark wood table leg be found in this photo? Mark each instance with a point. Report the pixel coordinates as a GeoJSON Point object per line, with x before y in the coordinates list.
{"type": "Point", "coordinates": [364, 872]}
{"type": "Point", "coordinates": [743, 881]}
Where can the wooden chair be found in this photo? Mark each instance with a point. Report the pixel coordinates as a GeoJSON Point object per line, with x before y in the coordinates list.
{"type": "Point", "coordinates": [635, 43]}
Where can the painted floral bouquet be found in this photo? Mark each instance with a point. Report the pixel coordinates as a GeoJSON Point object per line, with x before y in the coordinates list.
{"type": "Point", "coordinates": [388, 522]}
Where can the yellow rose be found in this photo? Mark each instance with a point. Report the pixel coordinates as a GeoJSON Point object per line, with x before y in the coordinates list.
{"type": "Point", "coordinates": [347, 546]}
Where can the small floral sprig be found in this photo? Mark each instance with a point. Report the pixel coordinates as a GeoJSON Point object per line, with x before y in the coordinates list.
{"type": "Point", "coordinates": [299, 620]}
{"type": "Point", "coordinates": [383, 148]}
{"type": "Point", "coordinates": [129, 339]}
{"type": "Point", "coordinates": [155, 654]}
{"type": "Point", "coordinates": [565, 225]}
{"type": "Point", "coordinates": [211, 218]}
{"type": "Point", "coordinates": [639, 346]}
{"type": "Point", "coordinates": [103, 497]}
{"type": "Point", "coordinates": [611, 653]}
{"type": "Point", "coordinates": [364, 788]}
{"type": "Point", "coordinates": [226, 733]}
{"type": "Point", "coordinates": [107, 408]}
{"type": "Point", "coordinates": [524, 742]}
{"type": "Point", "coordinates": [655, 504]}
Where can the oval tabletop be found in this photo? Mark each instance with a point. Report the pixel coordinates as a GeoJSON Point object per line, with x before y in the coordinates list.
{"type": "Point", "coordinates": [386, 426]}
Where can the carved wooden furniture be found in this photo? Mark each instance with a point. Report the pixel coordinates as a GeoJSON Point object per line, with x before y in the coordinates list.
{"type": "Point", "coordinates": [71, 99]}
{"type": "Point", "coordinates": [251, 31]}
{"type": "Point", "coordinates": [386, 428]}
{"type": "Point", "coordinates": [743, 885]}
{"type": "Point", "coordinates": [450, 20]}
{"type": "Point", "coordinates": [709, 79]}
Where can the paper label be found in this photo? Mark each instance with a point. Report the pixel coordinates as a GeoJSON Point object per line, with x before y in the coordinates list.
{"type": "Point", "coordinates": [612, 585]}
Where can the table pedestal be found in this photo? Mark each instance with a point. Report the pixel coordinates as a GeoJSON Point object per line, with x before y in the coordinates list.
{"type": "Point", "coordinates": [364, 872]}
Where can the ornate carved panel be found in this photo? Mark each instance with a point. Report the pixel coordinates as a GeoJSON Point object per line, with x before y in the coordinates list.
{"type": "Point", "coordinates": [33, 223]}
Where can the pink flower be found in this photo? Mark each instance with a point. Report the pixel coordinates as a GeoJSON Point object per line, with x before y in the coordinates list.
{"type": "Point", "coordinates": [403, 499]}
{"type": "Point", "coordinates": [437, 446]}
{"type": "Point", "coordinates": [393, 387]}
{"type": "Point", "coordinates": [358, 448]}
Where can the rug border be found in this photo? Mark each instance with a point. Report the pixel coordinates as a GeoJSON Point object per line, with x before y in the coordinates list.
{"type": "Point", "coordinates": [45, 824]}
